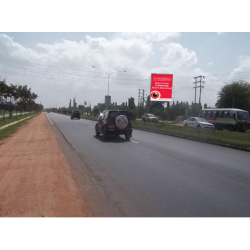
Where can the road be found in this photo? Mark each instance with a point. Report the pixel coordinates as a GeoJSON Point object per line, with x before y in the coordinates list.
{"type": "Point", "coordinates": [157, 175]}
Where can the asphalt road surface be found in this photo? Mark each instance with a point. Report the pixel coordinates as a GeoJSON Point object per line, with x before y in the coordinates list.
{"type": "Point", "coordinates": [157, 175]}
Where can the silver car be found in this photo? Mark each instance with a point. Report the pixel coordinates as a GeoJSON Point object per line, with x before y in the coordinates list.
{"type": "Point", "coordinates": [149, 117]}
{"type": "Point", "coordinates": [197, 122]}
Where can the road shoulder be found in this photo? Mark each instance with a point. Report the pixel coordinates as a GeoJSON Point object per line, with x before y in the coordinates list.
{"type": "Point", "coordinates": [36, 179]}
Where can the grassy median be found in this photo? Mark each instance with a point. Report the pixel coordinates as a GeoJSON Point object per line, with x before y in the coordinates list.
{"type": "Point", "coordinates": [89, 117]}
{"type": "Point", "coordinates": [6, 132]}
{"type": "Point", "coordinates": [14, 118]}
{"type": "Point", "coordinates": [217, 136]}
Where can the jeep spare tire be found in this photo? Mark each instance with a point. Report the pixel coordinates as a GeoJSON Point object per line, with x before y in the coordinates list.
{"type": "Point", "coordinates": [121, 121]}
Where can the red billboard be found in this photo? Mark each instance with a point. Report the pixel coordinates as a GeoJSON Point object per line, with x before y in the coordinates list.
{"type": "Point", "coordinates": [161, 87]}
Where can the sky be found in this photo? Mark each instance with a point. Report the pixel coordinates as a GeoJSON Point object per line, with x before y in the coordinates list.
{"type": "Point", "coordinates": [58, 66]}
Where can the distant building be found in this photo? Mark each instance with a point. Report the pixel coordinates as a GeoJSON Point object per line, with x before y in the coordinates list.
{"type": "Point", "coordinates": [74, 103]}
{"type": "Point", "coordinates": [70, 103]}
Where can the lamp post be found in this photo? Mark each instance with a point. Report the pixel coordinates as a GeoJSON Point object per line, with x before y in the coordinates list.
{"type": "Point", "coordinates": [76, 94]}
{"type": "Point", "coordinates": [109, 74]}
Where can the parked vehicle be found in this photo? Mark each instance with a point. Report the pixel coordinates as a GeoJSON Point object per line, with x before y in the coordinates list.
{"type": "Point", "coordinates": [114, 122]}
{"type": "Point", "coordinates": [231, 119]}
{"type": "Point", "coordinates": [149, 118]}
{"type": "Point", "coordinates": [75, 114]}
{"type": "Point", "coordinates": [197, 122]}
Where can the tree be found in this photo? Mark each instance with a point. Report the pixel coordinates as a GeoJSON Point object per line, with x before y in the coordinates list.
{"type": "Point", "coordinates": [96, 111]}
{"type": "Point", "coordinates": [235, 95]}
{"type": "Point", "coordinates": [154, 106]}
{"type": "Point", "coordinates": [131, 103]}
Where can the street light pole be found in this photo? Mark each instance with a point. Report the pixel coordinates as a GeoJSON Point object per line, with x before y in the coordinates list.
{"type": "Point", "coordinates": [108, 74]}
{"type": "Point", "coordinates": [76, 94]}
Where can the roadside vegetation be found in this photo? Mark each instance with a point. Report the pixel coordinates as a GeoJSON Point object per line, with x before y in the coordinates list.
{"type": "Point", "coordinates": [14, 118]}
{"type": "Point", "coordinates": [16, 98]}
{"type": "Point", "coordinates": [216, 136]}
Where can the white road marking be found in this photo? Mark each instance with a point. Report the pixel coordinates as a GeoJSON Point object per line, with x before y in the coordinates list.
{"type": "Point", "coordinates": [134, 141]}
{"type": "Point", "coordinates": [91, 127]}
{"type": "Point", "coordinates": [50, 119]}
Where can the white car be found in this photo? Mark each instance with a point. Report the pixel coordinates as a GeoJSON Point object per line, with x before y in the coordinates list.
{"type": "Point", "coordinates": [197, 122]}
{"type": "Point", "coordinates": [149, 117]}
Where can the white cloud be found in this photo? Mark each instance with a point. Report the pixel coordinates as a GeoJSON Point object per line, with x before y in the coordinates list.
{"type": "Point", "coordinates": [243, 69]}
{"type": "Point", "coordinates": [126, 51]}
{"type": "Point", "coordinates": [177, 56]}
{"type": "Point", "coordinates": [16, 50]}
{"type": "Point", "coordinates": [149, 36]}
{"type": "Point", "coordinates": [210, 64]}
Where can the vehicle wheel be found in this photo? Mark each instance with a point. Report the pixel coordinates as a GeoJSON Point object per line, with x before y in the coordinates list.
{"type": "Point", "coordinates": [97, 133]}
{"type": "Point", "coordinates": [199, 126]}
{"type": "Point", "coordinates": [104, 135]}
{"type": "Point", "coordinates": [230, 128]}
{"type": "Point", "coordinates": [128, 136]}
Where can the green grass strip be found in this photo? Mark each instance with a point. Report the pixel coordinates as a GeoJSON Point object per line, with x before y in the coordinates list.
{"type": "Point", "coordinates": [6, 132]}
{"type": "Point", "coordinates": [233, 138]}
{"type": "Point", "coordinates": [7, 120]}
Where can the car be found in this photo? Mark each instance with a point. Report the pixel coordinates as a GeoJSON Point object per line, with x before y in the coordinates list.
{"type": "Point", "coordinates": [197, 122]}
{"type": "Point", "coordinates": [75, 114]}
{"type": "Point", "coordinates": [114, 123]}
{"type": "Point", "coordinates": [149, 117]}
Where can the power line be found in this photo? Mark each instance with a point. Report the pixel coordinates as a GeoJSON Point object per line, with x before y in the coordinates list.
{"type": "Point", "coordinates": [40, 70]}
{"type": "Point", "coordinates": [71, 79]}
{"type": "Point", "coordinates": [96, 72]}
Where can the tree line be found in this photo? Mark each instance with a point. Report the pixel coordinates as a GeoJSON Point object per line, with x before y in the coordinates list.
{"type": "Point", "coordinates": [233, 95]}
{"type": "Point", "coordinates": [17, 97]}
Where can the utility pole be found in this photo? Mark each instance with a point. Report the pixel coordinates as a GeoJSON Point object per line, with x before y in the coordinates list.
{"type": "Point", "coordinates": [195, 87]}
{"type": "Point", "coordinates": [139, 96]}
{"type": "Point", "coordinates": [203, 82]}
{"type": "Point", "coordinates": [143, 97]}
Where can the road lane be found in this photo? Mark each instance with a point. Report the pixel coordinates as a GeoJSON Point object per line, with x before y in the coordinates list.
{"type": "Point", "coordinates": [162, 175]}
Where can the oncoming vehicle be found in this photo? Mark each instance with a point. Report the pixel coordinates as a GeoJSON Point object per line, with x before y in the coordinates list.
{"type": "Point", "coordinates": [75, 114]}
{"type": "Point", "coordinates": [149, 117]}
{"type": "Point", "coordinates": [197, 122]}
{"type": "Point", "coordinates": [231, 119]}
{"type": "Point", "coordinates": [114, 122]}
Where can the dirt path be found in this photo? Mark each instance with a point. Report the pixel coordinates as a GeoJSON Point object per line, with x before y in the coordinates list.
{"type": "Point", "coordinates": [35, 179]}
